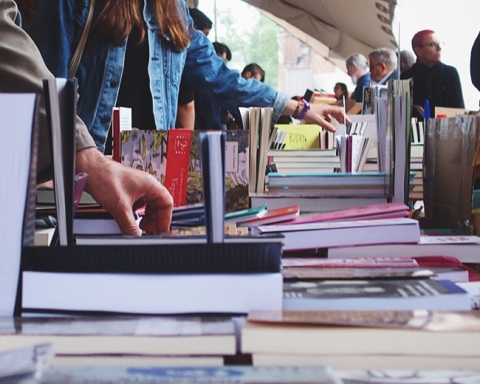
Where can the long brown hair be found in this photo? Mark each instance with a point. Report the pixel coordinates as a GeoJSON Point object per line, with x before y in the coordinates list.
{"type": "Point", "coordinates": [118, 17]}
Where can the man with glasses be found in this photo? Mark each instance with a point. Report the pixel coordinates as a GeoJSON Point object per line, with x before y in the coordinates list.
{"type": "Point", "coordinates": [432, 80]}
{"type": "Point", "coordinates": [383, 65]}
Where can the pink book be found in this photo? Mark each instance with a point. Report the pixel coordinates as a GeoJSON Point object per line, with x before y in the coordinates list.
{"type": "Point", "coordinates": [377, 211]}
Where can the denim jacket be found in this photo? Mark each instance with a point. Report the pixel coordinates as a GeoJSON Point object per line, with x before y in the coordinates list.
{"type": "Point", "coordinates": [56, 28]}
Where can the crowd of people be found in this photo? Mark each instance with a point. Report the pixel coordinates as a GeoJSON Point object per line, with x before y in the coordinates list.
{"type": "Point", "coordinates": [433, 80]}
{"type": "Point", "coordinates": [154, 56]}
{"type": "Point", "coordinates": [137, 50]}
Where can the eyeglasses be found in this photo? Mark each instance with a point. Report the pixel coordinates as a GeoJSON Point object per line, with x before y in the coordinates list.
{"type": "Point", "coordinates": [374, 65]}
{"type": "Point", "coordinates": [433, 45]}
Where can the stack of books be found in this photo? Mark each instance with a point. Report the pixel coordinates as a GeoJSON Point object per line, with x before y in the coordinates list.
{"type": "Point", "coordinates": [419, 339]}
{"type": "Point", "coordinates": [304, 160]}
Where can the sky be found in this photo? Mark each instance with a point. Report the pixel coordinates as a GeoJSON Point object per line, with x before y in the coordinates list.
{"type": "Point", "coordinates": [456, 23]}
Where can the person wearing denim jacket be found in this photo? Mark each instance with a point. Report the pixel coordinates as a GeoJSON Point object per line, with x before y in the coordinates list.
{"type": "Point", "coordinates": [56, 28]}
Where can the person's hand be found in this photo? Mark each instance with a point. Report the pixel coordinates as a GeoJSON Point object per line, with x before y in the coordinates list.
{"type": "Point", "coordinates": [320, 114]}
{"type": "Point", "coordinates": [120, 190]}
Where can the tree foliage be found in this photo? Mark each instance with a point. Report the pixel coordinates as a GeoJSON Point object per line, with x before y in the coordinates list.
{"type": "Point", "coordinates": [257, 44]}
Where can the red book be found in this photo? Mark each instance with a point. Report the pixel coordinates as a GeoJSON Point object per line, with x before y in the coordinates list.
{"type": "Point", "coordinates": [178, 157]}
{"type": "Point", "coordinates": [273, 216]}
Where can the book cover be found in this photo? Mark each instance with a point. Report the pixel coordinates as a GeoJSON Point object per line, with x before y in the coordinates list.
{"type": "Point", "coordinates": [374, 294]}
{"type": "Point", "coordinates": [146, 150]}
{"type": "Point", "coordinates": [300, 136]}
{"type": "Point", "coordinates": [176, 172]}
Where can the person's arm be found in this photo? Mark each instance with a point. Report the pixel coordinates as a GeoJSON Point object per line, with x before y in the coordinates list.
{"type": "Point", "coordinates": [206, 72]}
{"type": "Point", "coordinates": [186, 115]}
{"type": "Point", "coordinates": [120, 190]}
{"type": "Point", "coordinates": [456, 94]}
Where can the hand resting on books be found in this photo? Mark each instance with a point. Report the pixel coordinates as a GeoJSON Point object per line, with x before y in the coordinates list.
{"type": "Point", "coordinates": [121, 190]}
{"type": "Point", "coordinates": [320, 114]}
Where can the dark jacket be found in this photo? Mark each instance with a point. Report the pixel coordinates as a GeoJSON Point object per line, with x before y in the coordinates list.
{"type": "Point", "coordinates": [363, 81]}
{"type": "Point", "coordinates": [439, 84]}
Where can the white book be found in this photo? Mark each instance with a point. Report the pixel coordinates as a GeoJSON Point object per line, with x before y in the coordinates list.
{"type": "Point", "coordinates": [152, 293]}
{"type": "Point", "coordinates": [464, 248]}
{"type": "Point", "coordinates": [332, 234]}
{"type": "Point", "coordinates": [17, 115]}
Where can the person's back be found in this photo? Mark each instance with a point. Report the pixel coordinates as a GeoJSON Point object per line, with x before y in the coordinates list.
{"type": "Point", "coordinates": [432, 80]}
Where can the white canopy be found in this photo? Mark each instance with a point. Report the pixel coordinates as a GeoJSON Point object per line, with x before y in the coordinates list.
{"type": "Point", "coordinates": [335, 28]}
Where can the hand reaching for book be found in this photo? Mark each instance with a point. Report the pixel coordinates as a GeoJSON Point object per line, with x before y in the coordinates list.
{"type": "Point", "coordinates": [320, 114]}
{"type": "Point", "coordinates": [120, 190]}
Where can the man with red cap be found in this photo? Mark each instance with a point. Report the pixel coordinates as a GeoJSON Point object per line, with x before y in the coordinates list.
{"type": "Point", "coordinates": [432, 80]}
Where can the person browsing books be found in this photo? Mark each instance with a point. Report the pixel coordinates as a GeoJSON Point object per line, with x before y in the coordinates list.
{"type": "Point", "coordinates": [115, 187]}
{"type": "Point", "coordinates": [171, 47]}
{"type": "Point", "coordinates": [432, 80]}
{"type": "Point", "coordinates": [186, 95]}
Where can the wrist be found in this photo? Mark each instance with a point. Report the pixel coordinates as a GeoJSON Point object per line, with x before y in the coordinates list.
{"type": "Point", "coordinates": [301, 110]}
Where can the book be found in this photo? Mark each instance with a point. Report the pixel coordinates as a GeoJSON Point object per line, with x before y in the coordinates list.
{"type": "Point", "coordinates": [464, 248]}
{"type": "Point", "coordinates": [148, 254]}
{"type": "Point", "coordinates": [300, 136]}
{"type": "Point", "coordinates": [142, 293]}
{"type": "Point", "coordinates": [387, 210]}
{"type": "Point", "coordinates": [363, 333]}
{"type": "Point", "coordinates": [123, 335]}
{"type": "Point", "coordinates": [374, 294]}
{"type": "Point", "coordinates": [311, 203]}
{"type": "Point", "coordinates": [327, 179]}
{"type": "Point", "coordinates": [61, 101]}
{"type": "Point", "coordinates": [19, 113]}
{"type": "Point", "coordinates": [396, 367]}
{"type": "Point", "coordinates": [108, 360]}
{"type": "Point", "coordinates": [273, 216]}
{"type": "Point", "coordinates": [121, 121]}
{"type": "Point", "coordinates": [176, 172]}
{"type": "Point", "coordinates": [220, 375]}
{"type": "Point", "coordinates": [26, 364]}
{"type": "Point", "coordinates": [146, 150]}
{"type": "Point", "coordinates": [433, 372]}
{"type": "Point", "coordinates": [246, 214]}
{"type": "Point", "coordinates": [341, 233]}
{"type": "Point", "coordinates": [212, 156]}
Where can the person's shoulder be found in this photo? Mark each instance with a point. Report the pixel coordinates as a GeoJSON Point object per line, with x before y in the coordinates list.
{"type": "Point", "coordinates": [408, 73]}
